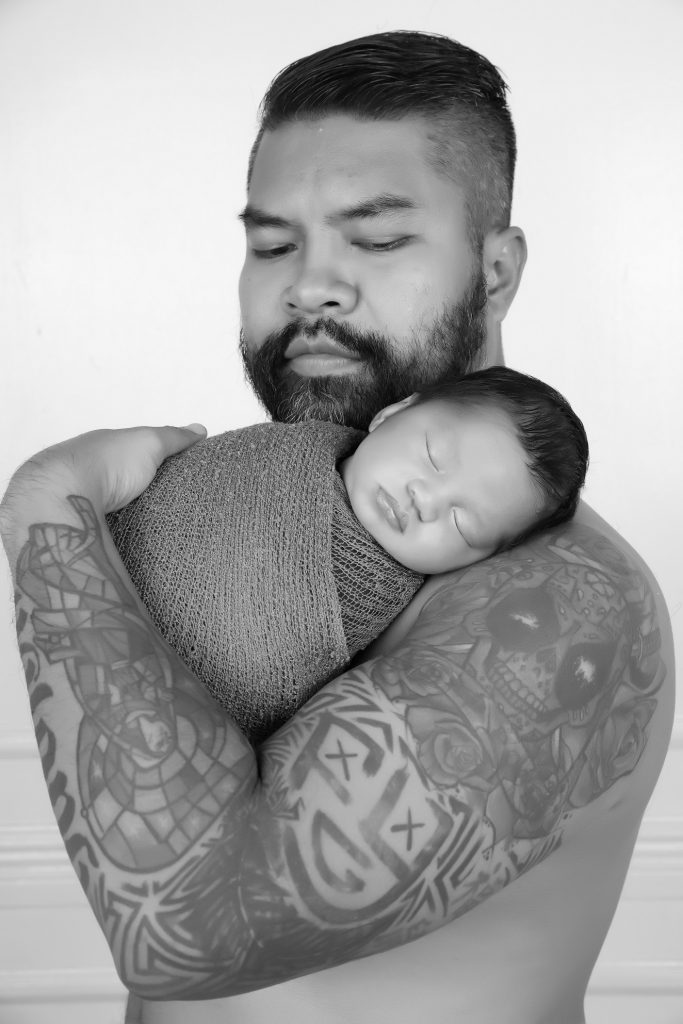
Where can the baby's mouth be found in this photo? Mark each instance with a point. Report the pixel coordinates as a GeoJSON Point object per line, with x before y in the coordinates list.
{"type": "Point", "coordinates": [393, 513]}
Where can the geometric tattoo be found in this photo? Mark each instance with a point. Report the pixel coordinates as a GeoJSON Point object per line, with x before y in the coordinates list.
{"type": "Point", "coordinates": [149, 781]}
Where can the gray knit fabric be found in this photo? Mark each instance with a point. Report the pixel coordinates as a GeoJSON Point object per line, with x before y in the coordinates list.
{"type": "Point", "coordinates": [249, 559]}
{"type": "Point", "coordinates": [371, 587]}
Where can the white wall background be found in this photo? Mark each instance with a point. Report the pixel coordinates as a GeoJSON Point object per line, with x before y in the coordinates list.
{"type": "Point", "coordinates": [124, 132]}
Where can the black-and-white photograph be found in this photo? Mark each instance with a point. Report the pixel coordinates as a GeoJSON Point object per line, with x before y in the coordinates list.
{"type": "Point", "coordinates": [340, 482]}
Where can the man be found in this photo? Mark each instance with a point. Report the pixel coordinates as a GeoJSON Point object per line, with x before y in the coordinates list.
{"type": "Point", "coordinates": [467, 796]}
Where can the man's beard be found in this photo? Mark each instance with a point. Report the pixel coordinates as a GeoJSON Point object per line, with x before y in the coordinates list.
{"type": "Point", "coordinates": [452, 347]}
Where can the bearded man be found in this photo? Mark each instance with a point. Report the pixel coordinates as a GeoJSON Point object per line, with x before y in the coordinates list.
{"type": "Point", "coordinates": [444, 830]}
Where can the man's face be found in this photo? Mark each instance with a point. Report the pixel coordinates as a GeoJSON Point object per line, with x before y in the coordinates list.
{"type": "Point", "coordinates": [359, 285]}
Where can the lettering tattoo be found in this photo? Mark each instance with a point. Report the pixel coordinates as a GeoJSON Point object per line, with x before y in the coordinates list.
{"type": "Point", "coordinates": [405, 793]}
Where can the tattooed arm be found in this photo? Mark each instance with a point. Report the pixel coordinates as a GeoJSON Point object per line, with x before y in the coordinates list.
{"type": "Point", "coordinates": [405, 793]}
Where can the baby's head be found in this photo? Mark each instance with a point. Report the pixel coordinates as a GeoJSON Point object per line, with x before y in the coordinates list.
{"type": "Point", "coordinates": [467, 468]}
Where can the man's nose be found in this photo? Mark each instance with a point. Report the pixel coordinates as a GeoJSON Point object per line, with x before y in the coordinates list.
{"type": "Point", "coordinates": [320, 289]}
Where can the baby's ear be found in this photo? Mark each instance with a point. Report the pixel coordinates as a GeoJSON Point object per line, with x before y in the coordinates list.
{"type": "Point", "coordinates": [384, 414]}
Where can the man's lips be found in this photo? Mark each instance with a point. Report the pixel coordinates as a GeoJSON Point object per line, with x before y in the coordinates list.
{"type": "Point", "coordinates": [393, 513]}
{"type": "Point", "coordinates": [320, 357]}
{"type": "Point", "coordinates": [317, 346]}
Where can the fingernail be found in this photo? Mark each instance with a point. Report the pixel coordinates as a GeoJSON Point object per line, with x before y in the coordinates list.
{"type": "Point", "coordinates": [196, 427]}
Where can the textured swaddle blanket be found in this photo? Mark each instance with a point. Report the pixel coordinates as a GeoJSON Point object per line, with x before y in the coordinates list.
{"type": "Point", "coordinates": [252, 565]}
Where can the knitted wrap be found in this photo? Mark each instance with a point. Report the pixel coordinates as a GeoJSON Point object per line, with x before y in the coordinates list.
{"type": "Point", "coordinates": [253, 567]}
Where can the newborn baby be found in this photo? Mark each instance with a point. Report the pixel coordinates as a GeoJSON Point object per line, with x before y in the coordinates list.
{"type": "Point", "coordinates": [462, 470]}
{"type": "Point", "coordinates": [269, 556]}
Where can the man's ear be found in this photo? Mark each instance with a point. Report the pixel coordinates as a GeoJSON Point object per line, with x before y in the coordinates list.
{"type": "Point", "coordinates": [385, 413]}
{"type": "Point", "coordinates": [504, 257]}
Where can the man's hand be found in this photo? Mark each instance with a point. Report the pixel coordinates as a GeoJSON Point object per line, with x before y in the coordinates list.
{"type": "Point", "coordinates": [109, 467]}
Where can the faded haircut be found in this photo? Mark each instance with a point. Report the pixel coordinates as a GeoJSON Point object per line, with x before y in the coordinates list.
{"type": "Point", "coordinates": [551, 434]}
{"type": "Point", "coordinates": [392, 75]}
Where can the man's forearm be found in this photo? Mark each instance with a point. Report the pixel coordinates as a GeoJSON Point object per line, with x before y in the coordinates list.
{"type": "Point", "coordinates": [145, 774]}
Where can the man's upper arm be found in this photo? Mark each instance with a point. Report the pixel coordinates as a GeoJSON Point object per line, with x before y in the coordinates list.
{"type": "Point", "coordinates": [416, 785]}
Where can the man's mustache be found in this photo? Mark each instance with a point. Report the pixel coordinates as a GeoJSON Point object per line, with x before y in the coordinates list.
{"type": "Point", "coordinates": [366, 345]}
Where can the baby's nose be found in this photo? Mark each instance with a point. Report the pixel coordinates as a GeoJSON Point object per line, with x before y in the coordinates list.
{"type": "Point", "coordinates": [424, 501]}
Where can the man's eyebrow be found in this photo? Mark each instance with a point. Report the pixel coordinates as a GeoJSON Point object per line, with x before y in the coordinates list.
{"type": "Point", "coordinates": [253, 217]}
{"type": "Point", "coordinates": [375, 206]}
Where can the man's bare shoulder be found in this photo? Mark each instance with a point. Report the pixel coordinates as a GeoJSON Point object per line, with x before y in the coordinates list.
{"type": "Point", "coordinates": [568, 635]}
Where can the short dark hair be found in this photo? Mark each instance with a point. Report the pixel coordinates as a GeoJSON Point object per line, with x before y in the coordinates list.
{"type": "Point", "coordinates": [392, 75]}
{"type": "Point", "coordinates": [551, 434]}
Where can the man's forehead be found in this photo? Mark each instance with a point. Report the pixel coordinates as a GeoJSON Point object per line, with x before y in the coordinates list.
{"type": "Point", "coordinates": [353, 160]}
{"type": "Point", "coordinates": [343, 144]}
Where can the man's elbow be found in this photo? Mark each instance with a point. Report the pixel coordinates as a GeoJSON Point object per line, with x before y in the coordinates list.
{"type": "Point", "coordinates": [205, 985]}
{"type": "Point", "coordinates": [170, 984]}
{"type": "Point", "coordinates": [157, 967]}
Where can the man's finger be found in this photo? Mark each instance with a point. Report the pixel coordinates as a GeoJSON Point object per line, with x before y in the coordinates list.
{"type": "Point", "coordinates": [175, 439]}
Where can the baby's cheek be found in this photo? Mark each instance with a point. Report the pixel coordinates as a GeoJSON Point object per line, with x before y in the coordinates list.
{"type": "Point", "coordinates": [435, 551]}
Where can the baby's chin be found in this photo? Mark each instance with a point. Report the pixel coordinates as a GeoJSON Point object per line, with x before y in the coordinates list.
{"type": "Point", "coordinates": [378, 534]}
{"type": "Point", "coordinates": [416, 560]}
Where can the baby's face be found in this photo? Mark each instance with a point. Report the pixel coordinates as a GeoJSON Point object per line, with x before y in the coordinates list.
{"type": "Point", "coordinates": [440, 486]}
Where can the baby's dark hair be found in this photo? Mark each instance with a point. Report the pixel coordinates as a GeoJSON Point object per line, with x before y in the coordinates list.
{"type": "Point", "coordinates": [550, 432]}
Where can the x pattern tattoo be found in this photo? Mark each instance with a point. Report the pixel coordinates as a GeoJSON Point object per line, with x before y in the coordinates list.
{"type": "Point", "coordinates": [402, 795]}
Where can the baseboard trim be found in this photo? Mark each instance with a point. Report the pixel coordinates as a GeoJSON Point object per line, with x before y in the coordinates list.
{"type": "Point", "coordinates": [18, 746]}
{"type": "Point", "coordinates": [22, 745]}
{"type": "Point", "coordinates": [61, 986]}
{"type": "Point", "coordinates": [35, 870]}
{"type": "Point", "coordinates": [644, 977]}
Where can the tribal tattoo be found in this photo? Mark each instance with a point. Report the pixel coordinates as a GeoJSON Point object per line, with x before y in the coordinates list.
{"type": "Point", "coordinates": [402, 795]}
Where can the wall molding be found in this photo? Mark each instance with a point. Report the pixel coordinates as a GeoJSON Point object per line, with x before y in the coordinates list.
{"type": "Point", "coordinates": [35, 870]}
{"type": "Point", "coordinates": [645, 978]}
{"type": "Point", "coordinates": [637, 977]}
{"type": "Point", "coordinates": [61, 986]}
{"type": "Point", "coordinates": [15, 746]}
{"type": "Point", "coordinates": [656, 869]}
